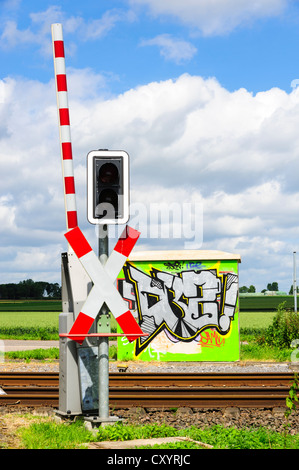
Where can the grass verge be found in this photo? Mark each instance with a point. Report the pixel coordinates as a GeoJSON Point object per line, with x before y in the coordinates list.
{"type": "Point", "coordinates": [51, 435]}
{"type": "Point", "coordinates": [251, 351]}
{"type": "Point", "coordinates": [46, 354]}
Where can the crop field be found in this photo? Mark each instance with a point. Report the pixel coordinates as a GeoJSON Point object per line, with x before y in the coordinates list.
{"type": "Point", "coordinates": [29, 325]}
{"type": "Point", "coordinates": [257, 303]}
{"type": "Point", "coordinates": [40, 319]}
{"type": "Point", "coordinates": [255, 319]}
{"type": "Point", "coordinates": [30, 306]}
{"type": "Point", "coordinates": [29, 319]}
{"type": "Point", "coordinates": [49, 320]}
{"type": "Point", "coordinates": [32, 320]}
{"type": "Point", "coordinates": [36, 322]}
{"type": "Point", "coordinates": [265, 302]}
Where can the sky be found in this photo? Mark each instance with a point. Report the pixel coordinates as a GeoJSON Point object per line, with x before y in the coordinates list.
{"type": "Point", "coordinates": [204, 97]}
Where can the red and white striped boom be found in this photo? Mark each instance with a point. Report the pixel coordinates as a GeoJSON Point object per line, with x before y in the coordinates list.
{"type": "Point", "coordinates": [64, 127]}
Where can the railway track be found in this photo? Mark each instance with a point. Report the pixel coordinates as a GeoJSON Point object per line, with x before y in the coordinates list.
{"type": "Point", "coordinates": [157, 390]}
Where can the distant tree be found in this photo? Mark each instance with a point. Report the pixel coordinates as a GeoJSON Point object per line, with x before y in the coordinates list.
{"type": "Point", "coordinates": [272, 286]}
{"type": "Point", "coordinates": [292, 290]}
{"type": "Point", "coordinates": [243, 290]}
{"type": "Point", "coordinates": [29, 289]}
{"type": "Point", "coordinates": [53, 290]}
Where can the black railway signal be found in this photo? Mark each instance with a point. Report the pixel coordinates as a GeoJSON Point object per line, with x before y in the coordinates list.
{"type": "Point", "coordinates": [107, 187]}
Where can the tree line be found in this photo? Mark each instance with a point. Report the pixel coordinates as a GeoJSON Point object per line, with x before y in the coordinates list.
{"type": "Point", "coordinates": [271, 286]}
{"type": "Point", "coordinates": [30, 289]}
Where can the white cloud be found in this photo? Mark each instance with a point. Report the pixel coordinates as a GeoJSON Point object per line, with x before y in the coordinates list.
{"type": "Point", "coordinates": [171, 48]}
{"type": "Point", "coordinates": [39, 30]}
{"type": "Point", "coordinates": [11, 36]}
{"type": "Point", "coordinates": [215, 17]}
{"type": "Point", "coordinates": [7, 215]}
{"type": "Point", "coordinates": [11, 4]}
{"type": "Point", "coordinates": [189, 140]}
{"type": "Point", "coordinates": [85, 84]}
{"type": "Point", "coordinates": [94, 29]}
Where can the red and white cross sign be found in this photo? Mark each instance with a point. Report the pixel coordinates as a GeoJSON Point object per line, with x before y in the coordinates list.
{"type": "Point", "coordinates": [103, 289]}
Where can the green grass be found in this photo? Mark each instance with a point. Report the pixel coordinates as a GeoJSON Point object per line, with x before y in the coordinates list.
{"type": "Point", "coordinates": [255, 319]}
{"type": "Point", "coordinates": [31, 305]}
{"type": "Point", "coordinates": [251, 325]}
{"type": "Point", "coordinates": [121, 432]}
{"type": "Point", "coordinates": [36, 325]}
{"type": "Point", "coordinates": [265, 302]}
{"type": "Point", "coordinates": [34, 354]}
{"type": "Point", "coordinates": [218, 436]}
{"type": "Point", "coordinates": [29, 325]}
{"type": "Point", "coordinates": [70, 435]}
{"type": "Point", "coordinates": [255, 352]}
{"type": "Point", "coordinates": [20, 324]}
{"type": "Point", "coordinates": [46, 354]}
{"type": "Point", "coordinates": [33, 325]}
{"type": "Point", "coordinates": [29, 319]}
{"type": "Point", "coordinates": [51, 435]}
{"type": "Point", "coordinates": [259, 302]}
{"type": "Point", "coordinates": [264, 339]}
{"type": "Point", "coordinates": [221, 437]}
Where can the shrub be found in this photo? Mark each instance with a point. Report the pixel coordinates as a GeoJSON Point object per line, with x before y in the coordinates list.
{"type": "Point", "coordinates": [284, 329]}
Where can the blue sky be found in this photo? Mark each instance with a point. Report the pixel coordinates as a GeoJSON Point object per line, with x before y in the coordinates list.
{"type": "Point", "coordinates": [125, 42]}
{"type": "Point", "coordinates": [200, 95]}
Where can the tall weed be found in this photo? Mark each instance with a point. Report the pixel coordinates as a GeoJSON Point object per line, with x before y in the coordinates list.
{"type": "Point", "coordinates": [284, 329]}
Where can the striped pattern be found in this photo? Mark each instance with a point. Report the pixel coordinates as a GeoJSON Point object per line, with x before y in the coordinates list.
{"type": "Point", "coordinates": [64, 127]}
{"type": "Point", "coordinates": [103, 289]}
{"type": "Point", "coordinates": [127, 241]}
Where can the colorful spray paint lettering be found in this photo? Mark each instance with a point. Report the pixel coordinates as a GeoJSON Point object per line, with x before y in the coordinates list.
{"type": "Point", "coordinates": [189, 310]}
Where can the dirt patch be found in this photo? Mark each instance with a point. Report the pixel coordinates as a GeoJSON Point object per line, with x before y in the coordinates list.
{"type": "Point", "coordinates": [10, 423]}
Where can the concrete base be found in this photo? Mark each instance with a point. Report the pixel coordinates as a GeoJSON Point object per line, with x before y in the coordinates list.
{"type": "Point", "coordinates": [61, 416]}
{"type": "Point", "coordinates": [92, 423]}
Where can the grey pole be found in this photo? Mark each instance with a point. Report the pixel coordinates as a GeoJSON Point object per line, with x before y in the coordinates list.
{"type": "Point", "coordinates": [103, 341]}
{"type": "Point", "coordinates": [294, 282]}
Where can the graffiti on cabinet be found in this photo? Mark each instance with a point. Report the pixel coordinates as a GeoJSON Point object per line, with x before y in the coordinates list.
{"type": "Point", "coordinates": [183, 304]}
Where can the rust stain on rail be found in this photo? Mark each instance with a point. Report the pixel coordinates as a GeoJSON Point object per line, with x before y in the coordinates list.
{"type": "Point", "coordinates": [157, 390]}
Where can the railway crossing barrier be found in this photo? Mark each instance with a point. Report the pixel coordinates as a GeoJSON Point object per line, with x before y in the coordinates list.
{"type": "Point", "coordinates": [87, 286]}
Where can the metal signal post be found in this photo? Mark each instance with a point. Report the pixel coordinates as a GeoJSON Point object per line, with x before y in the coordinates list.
{"type": "Point", "coordinates": [107, 203]}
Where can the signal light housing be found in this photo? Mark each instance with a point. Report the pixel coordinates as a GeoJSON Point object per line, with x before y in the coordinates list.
{"type": "Point", "coordinates": [107, 187]}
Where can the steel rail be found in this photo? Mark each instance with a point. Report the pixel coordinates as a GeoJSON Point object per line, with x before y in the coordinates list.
{"type": "Point", "coordinates": [29, 378]}
{"type": "Point", "coordinates": [157, 390]}
{"type": "Point", "coordinates": [201, 379]}
{"type": "Point", "coordinates": [159, 379]}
